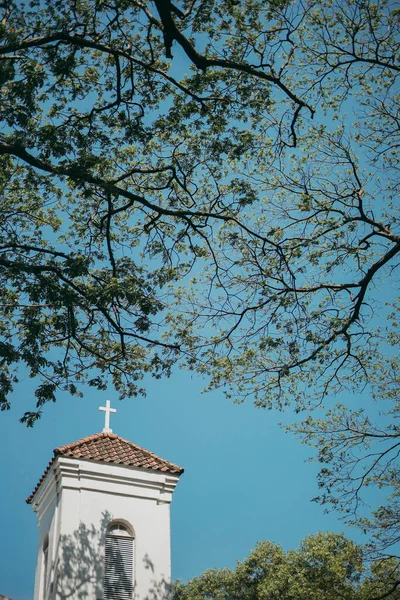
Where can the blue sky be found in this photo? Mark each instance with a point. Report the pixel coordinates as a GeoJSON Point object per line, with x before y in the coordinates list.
{"type": "Point", "coordinates": [245, 479]}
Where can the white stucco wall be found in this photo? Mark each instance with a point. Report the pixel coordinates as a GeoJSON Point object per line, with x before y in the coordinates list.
{"type": "Point", "coordinates": [76, 502]}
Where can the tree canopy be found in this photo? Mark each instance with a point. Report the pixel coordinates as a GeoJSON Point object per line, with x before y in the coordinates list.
{"type": "Point", "coordinates": [325, 565]}
{"type": "Point", "coordinates": [213, 184]}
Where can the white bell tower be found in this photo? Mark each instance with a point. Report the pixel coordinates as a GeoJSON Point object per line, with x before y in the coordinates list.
{"type": "Point", "coordinates": [103, 508]}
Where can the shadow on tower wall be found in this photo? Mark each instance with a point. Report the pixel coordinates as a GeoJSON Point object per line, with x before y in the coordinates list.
{"type": "Point", "coordinates": [78, 571]}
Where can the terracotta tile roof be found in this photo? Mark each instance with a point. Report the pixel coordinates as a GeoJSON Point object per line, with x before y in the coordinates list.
{"type": "Point", "coordinates": [110, 448]}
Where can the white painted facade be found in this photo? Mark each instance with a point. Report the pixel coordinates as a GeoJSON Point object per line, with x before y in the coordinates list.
{"type": "Point", "coordinates": [76, 502]}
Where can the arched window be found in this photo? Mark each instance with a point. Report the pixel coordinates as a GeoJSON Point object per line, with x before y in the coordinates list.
{"type": "Point", "coordinates": [45, 566]}
{"type": "Point", "coordinates": [118, 564]}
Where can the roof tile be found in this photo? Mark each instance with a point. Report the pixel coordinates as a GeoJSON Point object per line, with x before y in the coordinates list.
{"type": "Point", "coordinates": [110, 448]}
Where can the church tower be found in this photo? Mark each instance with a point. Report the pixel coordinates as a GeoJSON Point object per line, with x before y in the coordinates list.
{"type": "Point", "coordinates": [103, 509]}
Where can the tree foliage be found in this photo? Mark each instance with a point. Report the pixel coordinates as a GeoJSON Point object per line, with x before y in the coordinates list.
{"type": "Point", "coordinates": [211, 183]}
{"type": "Point", "coordinates": [325, 565]}
{"type": "Point", "coordinates": [113, 173]}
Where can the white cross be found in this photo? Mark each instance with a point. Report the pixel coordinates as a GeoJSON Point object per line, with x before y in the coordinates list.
{"type": "Point", "coordinates": [108, 410]}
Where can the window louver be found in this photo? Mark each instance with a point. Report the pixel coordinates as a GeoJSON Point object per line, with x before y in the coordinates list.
{"type": "Point", "coordinates": [118, 575]}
